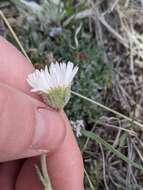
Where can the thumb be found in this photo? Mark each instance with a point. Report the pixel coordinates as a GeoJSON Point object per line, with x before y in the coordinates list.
{"type": "Point", "coordinates": [27, 126]}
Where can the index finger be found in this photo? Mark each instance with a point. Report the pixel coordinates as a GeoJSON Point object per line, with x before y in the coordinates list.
{"type": "Point", "coordinates": [14, 67]}
{"type": "Point", "coordinates": [14, 71]}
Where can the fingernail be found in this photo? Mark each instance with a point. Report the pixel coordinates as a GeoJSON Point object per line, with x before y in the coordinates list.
{"type": "Point", "coordinates": [48, 124]}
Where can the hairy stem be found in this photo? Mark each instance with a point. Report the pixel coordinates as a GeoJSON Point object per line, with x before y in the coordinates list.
{"type": "Point", "coordinates": [43, 173]}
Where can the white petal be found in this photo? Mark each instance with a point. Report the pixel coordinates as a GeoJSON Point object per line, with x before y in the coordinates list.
{"type": "Point", "coordinates": [58, 75]}
{"type": "Point", "coordinates": [68, 73]}
{"type": "Point", "coordinates": [74, 72]}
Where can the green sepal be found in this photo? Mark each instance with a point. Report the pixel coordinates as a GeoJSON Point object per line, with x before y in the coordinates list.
{"type": "Point", "coordinates": [57, 98]}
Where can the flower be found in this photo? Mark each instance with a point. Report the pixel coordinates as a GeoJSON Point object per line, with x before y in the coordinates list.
{"type": "Point", "coordinates": [54, 83]}
{"type": "Point", "coordinates": [77, 126]}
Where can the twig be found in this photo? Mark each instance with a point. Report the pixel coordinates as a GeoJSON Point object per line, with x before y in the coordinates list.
{"type": "Point", "coordinates": [118, 36]}
{"type": "Point", "coordinates": [90, 183]}
{"type": "Point", "coordinates": [14, 35]}
{"type": "Point", "coordinates": [130, 132]}
{"type": "Point", "coordinates": [104, 167]}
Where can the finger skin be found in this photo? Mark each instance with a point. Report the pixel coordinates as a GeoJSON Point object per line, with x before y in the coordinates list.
{"type": "Point", "coordinates": [28, 177]}
{"type": "Point", "coordinates": [67, 157]}
{"type": "Point", "coordinates": [8, 174]}
{"type": "Point", "coordinates": [14, 67]}
{"type": "Point", "coordinates": [65, 167]}
{"type": "Point", "coordinates": [19, 124]}
{"type": "Point", "coordinates": [69, 173]}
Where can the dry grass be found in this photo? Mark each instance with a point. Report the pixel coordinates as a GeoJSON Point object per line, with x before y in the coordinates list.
{"type": "Point", "coordinates": [123, 20]}
{"type": "Point", "coordinates": [117, 26]}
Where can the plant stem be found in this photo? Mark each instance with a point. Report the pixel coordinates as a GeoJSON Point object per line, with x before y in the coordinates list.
{"type": "Point", "coordinates": [109, 109]}
{"type": "Point", "coordinates": [43, 173]}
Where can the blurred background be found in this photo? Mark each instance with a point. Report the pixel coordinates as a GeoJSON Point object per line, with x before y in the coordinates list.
{"type": "Point", "coordinates": [104, 38]}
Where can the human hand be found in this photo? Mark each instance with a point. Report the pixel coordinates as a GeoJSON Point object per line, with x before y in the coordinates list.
{"type": "Point", "coordinates": [29, 128]}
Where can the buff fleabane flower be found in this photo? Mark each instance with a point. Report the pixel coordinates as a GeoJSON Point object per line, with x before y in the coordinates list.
{"type": "Point", "coordinates": [54, 83]}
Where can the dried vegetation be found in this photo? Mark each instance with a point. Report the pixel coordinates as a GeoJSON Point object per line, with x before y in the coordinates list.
{"type": "Point", "coordinates": [114, 77]}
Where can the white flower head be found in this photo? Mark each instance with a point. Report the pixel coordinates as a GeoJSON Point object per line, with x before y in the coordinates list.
{"type": "Point", "coordinates": [54, 83]}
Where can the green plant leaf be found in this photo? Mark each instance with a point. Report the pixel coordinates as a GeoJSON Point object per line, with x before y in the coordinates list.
{"type": "Point", "coordinates": [99, 140]}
